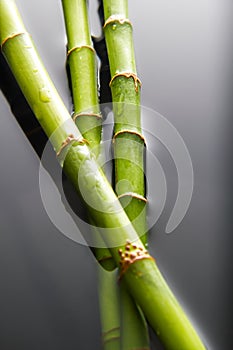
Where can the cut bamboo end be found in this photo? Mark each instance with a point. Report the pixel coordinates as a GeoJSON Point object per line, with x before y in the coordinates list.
{"type": "Point", "coordinates": [116, 18]}
{"type": "Point", "coordinates": [128, 131]}
{"type": "Point", "coordinates": [133, 195]}
{"type": "Point", "coordinates": [83, 114]}
{"type": "Point", "coordinates": [70, 139]}
{"type": "Point", "coordinates": [12, 36]}
{"type": "Point", "coordinates": [78, 48]}
{"type": "Point", "coordinates": [137, 81]}
{"type": "Point", "coordinates": [132, 253]}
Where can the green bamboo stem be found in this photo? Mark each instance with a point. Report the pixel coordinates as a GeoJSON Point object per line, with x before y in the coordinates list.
{"type": "Point", "coordinates": [125, 87]}
{"type": "Point", "coordinates": [82, 63]}
{"type": "Point", "coordinates": [129, 154]}
{"type": "Point", "coordinates": [144, 281]}
{"type": "Point", "coordinates": [109, 313]}
{"type": "Point", "coordinates": [81, 58]}
{"type": "Point", "coordinates": [133, 327]}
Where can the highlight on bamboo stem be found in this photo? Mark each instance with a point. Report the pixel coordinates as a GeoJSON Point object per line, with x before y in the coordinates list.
{"type": "Point", "coordinates": [133, 328]}
{"type": "Point", "coordinates": [128, 144]}
{"type": "Point", "coordinates": [81, 60]}
{"type": "Point", "coordinates": [83, 71]}
{"type": "Point", "coordinates": [144, 281]}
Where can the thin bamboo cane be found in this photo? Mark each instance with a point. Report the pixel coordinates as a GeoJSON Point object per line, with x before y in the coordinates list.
{"type": "Point", "coordinates": [81, 59]}
{"type": "Point", "coordinates": [129, 157]}
{"type": "Point", "coordinates": [133, 327]}
{"type": "Point", "coordinates": [138, 269]}
{"type": "Point", "coordinates": [82, 64]}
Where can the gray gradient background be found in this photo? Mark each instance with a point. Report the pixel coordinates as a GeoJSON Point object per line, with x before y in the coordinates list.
{"type": "Point", "coordinates": [48, 293]}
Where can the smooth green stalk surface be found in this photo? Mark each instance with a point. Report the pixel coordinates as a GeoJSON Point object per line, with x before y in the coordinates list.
{"type": "Point", "coordinates": [144, 281]}
{"type": "Point", "coordinates": [128, 146]}
{"type": "Point", "coordinates": [82, 62]}
{"type": "Point", "coordinates": [83, 76]}
{"type": "Point", "coordinates": [83, 72]}
{"type": "Point", "coordinates": [128, 153]}
{"type": "Point", "coordinates": [110, 318]}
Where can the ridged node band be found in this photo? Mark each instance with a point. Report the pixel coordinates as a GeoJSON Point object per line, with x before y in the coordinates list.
{"type": "Point", "coordinates": [116, 18]}
{"type": "Point", "coordinates": [128, 131]}
{"type": "Point", "coordinates": [105, 341]}
{"type": "Point", "coordinates": [70, 138]}
{"type": "Point", "coordinates": [12, 36]}
{"type": "Point", "coordinates": [112, 334]}
{"type": "Point", "coordinates": [110, 331]}
{"type": "Point", "coordinates": [83, 114]}
{"type": "Point", "coordinates": [131, 253]}
{"type": "Point", "coordinates": [137, 81]}
{"type": "Point", "coordinates": [78, 48]}
{"type": "Point", "coordinates": [133, 195]}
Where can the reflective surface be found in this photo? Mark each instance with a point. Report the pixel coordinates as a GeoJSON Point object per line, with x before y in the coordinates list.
{"type": "Point", "coordinates": [48, 293]}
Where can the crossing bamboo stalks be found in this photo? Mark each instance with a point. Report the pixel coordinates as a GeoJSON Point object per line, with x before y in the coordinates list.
{"type": "Point", "coordinates": [137, 267]}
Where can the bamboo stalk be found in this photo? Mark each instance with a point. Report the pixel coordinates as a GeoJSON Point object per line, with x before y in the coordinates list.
{"type": "Point", "coordinates": [128, 155]}
{"type": "Point", "coordinates": [81, 59]}
{"type": "Point", "coordinates": [82, 64]}
{"type": "Point", "coordinates": [144, 281]}
{"type": "Point", "coordinates": [109, 309]}
{"type": "Point", "coordinates": [133, 327]}
{"type": "Point", "coordinates": [128, 140]}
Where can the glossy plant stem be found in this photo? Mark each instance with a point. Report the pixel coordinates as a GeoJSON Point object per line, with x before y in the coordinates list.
{"type": "Point", "coordinates": [83, 73]}
{"type": "Point", "coordinates": [128, 153]}
{"type": "Point", "coordinates": [109, 309]}
{"type": "Point", "coordinates": [81, 59]}
{"type": "Point", "coordinates": [144, 281]}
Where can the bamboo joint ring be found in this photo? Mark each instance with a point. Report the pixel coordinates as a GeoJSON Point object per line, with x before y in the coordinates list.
{"type": "Point", "coordinates": [137, 81]}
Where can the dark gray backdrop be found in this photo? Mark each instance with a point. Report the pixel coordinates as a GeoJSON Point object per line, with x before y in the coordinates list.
{"type": "Point", "coordinates": [48, 293]}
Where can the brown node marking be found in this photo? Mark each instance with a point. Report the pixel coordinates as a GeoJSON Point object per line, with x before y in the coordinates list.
{"type": "Point", "coordinates": [136, 252]}
{"type": "Point", "coordinates": [133, 195]}
{"type": "Point", "coordinates": [12, 36]}
{"type": "Point", "coordinates": [110, 331]}
{"type": "Point", "coordinates": [104, 258]}
{"type": "Point", "coordinates": [137, 81]}
{"type": "Point", "coordinates": [79, 48]}
{"type": "Point", "coordinates": [116, 18]}
{"type": "Point", "coordinates": [110, 339]}
{"type": "Point", "coordinates": [70, 138]}
{"type": "Point", "coordinates": [76, 115]}
{"type": "Point", "coordinates": [128, 131]}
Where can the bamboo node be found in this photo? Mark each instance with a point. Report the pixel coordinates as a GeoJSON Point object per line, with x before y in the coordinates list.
{"type": "Point", "coordinates": [116, 18]}
{"type": "Point", "coordinates": [128, 131]}
{"type": "Point", "coordinates": [78, 48]}
{"type": "Point", "coordinates": [70, 139]}
{"type": "Point", "coordinates": [137, 81]}
{"type": "Point", "coordinates": [110, 331]}
{"type": "Point", "coordinates": [12, 36]}
{"type": "Point", "coordinates": [76, 115]}
{"type": "Point", "coordinates": [135, 252]}
{"type": "Point", "coordinates": [133, 195]}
